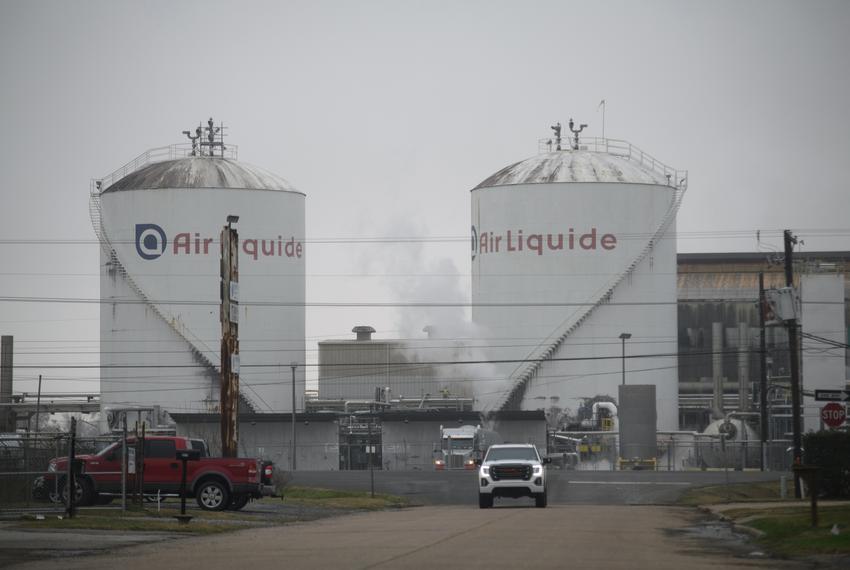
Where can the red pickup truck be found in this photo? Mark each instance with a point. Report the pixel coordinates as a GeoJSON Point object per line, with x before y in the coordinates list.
{"type": "Point", "coordinates": [217, 483]}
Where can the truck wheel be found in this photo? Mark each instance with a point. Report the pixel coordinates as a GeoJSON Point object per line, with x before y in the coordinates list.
{"type": "Point", "coordinates": [83, 492]}
{"type": "Point", "coordinates": [103, 499]}
{"type": "Point", "coordinates": [485, 500]}
{"type": "Point", "coordinates": [540, 500]}
{"type": "Point", "coordinates": [212, 496]}
{"type": "Point", "coordinates": [237, 502]}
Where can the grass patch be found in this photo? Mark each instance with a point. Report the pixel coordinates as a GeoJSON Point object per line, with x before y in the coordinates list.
{"type": "Point", "coordinates": [116, 521]}
{"type": "Point", "coordinates": [787, 529]}
{"type": "Point", "coordinates": [311, 503]}
{"type": "Point", "coordinates": [789, 532]}
{"type": "Point", "coordinates": [336, 499]}
{"type": "Point", "coordinates": [741, 492]}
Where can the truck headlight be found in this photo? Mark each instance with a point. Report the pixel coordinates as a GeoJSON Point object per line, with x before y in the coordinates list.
{"type": "Point", "coordinates": [51, 466]}
{"type": "Point", "coordinates": [538, 469]}
{"type": "Point", "coordinates": [485, 470]}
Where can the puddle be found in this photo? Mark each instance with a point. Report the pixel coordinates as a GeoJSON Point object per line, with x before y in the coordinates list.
{"type": "Point", "coordinates": [719, 537]}
{"type": "Point", "coordinates": [714, 531]}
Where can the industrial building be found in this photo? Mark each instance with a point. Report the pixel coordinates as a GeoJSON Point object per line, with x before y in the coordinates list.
{"type": "Point", "coordinates": [719, 335]}
{"type": "Point", "coordinates": [158, 220]}
{"type": "Point", "coordinates": [400, 440]}
{"type": "Point", "coordinates": [352, 369]}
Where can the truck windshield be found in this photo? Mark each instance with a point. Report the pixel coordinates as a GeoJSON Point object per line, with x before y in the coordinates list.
{"type": "Point", "coordinates": [457, 443]}
{"type": "Point", "coordinates": [520, 453]}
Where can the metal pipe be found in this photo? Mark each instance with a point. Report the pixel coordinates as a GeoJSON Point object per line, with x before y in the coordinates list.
{"type": "Point", "coordinates": [717, 368]}
{"type": "Point", "coordinates": [743, 365]}
{"type": "Point", "coordinates": [293, 365]}
{"type": "Point", "coordinates": [612, 409]}
{"type": "Point", "coordinates": [762, 375]}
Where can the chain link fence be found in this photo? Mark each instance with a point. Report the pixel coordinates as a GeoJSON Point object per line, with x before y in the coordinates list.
{"type": "Point", "coordinates": [24, 460]}
{"type": "Point", "coordinates": [34, 472]}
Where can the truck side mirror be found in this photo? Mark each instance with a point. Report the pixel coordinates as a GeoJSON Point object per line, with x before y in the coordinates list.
{"type": "Point", "coordinates": [547, 460]}
{"type": "Point", "coordinates": [478, 462]}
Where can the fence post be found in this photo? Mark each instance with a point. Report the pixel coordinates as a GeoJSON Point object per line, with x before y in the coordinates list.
{"type": "Point", "coordinates": [27, 467]}
{"type": "Point", "coordinates": [57, 453]}
{"type": "Point", "coordinates": [70, 494]}
{"type": "Point", "coordinates": [124, 466]}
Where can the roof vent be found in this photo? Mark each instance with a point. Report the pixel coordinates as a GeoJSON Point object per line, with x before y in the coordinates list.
{"type": "Point", "coordinates": [363, 332]}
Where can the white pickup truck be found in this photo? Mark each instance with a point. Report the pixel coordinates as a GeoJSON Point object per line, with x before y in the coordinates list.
{"type": "Point", "coordinates": [512, 470]}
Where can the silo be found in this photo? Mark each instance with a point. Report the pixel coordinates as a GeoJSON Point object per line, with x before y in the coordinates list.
{"type": "Point", "coordinates": [159, 221]}
{"type": "Point", "coordinates": [571, 249]}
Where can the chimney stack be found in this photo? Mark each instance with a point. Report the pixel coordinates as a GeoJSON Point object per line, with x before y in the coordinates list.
{"type": "Point", "coordinates": [364, 332]}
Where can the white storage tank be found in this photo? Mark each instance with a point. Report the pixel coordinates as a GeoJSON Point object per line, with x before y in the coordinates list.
{"type": "Point", "coordinates": [570, 250]}
{"type": "Point", "coordinates": [159, 221]}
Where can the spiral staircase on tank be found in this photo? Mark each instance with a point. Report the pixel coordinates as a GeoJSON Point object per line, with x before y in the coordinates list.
{"type": "Point", "coordinates": [522, 376]}
{"type": "Point", "coordinates": [96, 214]}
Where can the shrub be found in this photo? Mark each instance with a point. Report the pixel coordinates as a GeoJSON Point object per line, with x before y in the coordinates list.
{"type": "Point", "coordinates": [830, 451]}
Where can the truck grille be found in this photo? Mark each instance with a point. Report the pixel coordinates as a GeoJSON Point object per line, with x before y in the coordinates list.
{"type": "Point", "coordinates": [500, 472]}
{"type": "Point", "coordinates": [456, 461]}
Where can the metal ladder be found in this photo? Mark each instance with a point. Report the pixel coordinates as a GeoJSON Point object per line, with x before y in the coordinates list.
{"type": "Point", "coordinates": [96, 215]}
{"type": "Point", "coordinates": [512, 398]}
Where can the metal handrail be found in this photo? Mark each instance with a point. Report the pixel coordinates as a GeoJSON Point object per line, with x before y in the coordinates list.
{"type": "Point", "coordinates": [622, 149]}
{"type": "Point", "coordinates": [161, 154]}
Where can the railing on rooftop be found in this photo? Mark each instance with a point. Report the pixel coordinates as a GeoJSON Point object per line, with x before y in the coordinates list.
{"type": "Point", "coordinates": [622, 149]}
{"type": "Point", "coordinates": [160, 154]}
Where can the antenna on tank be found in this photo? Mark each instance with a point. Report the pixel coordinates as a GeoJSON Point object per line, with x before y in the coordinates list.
{"type": "Point", "coordinates": [576, 132]}
{"type": "Point", "coordinates": [557, 128]}
{"type": "Point", "coordinates": [215, 138]}
{"type": "Point", "coordinates": [194, 140]}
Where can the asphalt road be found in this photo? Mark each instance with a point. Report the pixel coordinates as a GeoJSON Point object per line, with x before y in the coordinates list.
{"type": "Point", "coordinates": [563, 536]}
{"type": "Point", "coordinates": [565, 487]}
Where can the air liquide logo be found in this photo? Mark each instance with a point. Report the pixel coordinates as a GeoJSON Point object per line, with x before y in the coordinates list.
{"type": "Point", "coordinates": [522, 242]}
{"type": "Point", "coordinates": [150, 241]}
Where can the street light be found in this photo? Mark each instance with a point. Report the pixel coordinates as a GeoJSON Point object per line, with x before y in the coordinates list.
{"type": "Point", "coordinates": [623, 337]}
{"type": "Point", "coordinates": [293, 365]}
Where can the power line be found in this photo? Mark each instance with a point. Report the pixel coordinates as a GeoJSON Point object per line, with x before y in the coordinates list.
{"type": "Point", "coordinates": [330, 304]}
{"type": "Point", "coordinates": [391, 364]}
{"type": "Point", "coordinates": [407, 239]}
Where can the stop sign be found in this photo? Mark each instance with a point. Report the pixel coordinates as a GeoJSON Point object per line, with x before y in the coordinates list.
{"type": "Point", "coordinates": [833, 414]}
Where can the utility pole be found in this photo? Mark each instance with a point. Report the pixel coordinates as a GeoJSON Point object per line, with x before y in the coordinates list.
{"type": "Point", "coordinates": [229, 338]}
{"type": "Point", "coordinates": [793, 348]}
{"type": "Point", "coordinates": [7, 418]}
{"type": "Point", "coordinates": [293, 365]}
{"type": "Point", "coordinates": [762, 374]}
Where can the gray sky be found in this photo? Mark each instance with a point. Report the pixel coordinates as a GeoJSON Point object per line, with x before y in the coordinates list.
{"type": "Point", "coordinates": [386, 114]}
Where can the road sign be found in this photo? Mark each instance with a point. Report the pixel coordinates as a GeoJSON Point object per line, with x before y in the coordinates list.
{"type": "Point", "coordinates": [833, 414]}
{"type": "Point", "coordinates": [832, 395]}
